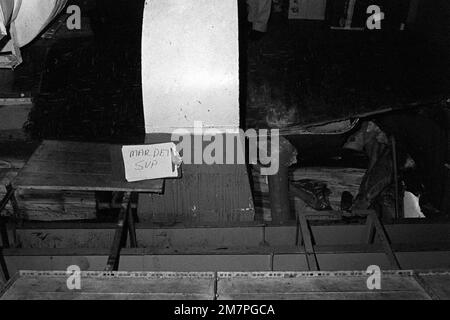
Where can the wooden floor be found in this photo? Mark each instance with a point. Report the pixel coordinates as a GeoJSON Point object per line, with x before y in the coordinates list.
{"type": "Point", "coordinates": [395, 285]}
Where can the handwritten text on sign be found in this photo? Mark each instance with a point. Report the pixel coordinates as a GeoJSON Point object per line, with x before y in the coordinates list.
{"type": "Point", "coordinates": [145, 162]}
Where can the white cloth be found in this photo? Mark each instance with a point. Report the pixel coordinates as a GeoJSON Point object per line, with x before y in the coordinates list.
{"type": "Point", "coordinates": [259, 13]}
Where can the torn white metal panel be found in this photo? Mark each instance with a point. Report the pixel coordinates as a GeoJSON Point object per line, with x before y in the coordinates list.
{"type": "Point", "coordinates": [24, 21]}
{"type": "Point", "coordinates": [6, 11]}
{"type": "Point", "coordinates": [33, 16]}
{"type": "Point", "coordinates": [190, 64]}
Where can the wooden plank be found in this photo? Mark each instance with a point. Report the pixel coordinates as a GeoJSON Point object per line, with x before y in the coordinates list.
{"type": "Point", "coordinates": [51, 205]}
{"type": "Point", "coordinates": [73, 146]}
{"type": "Point", "coordinates": [338, 180]}
{"type": "Point", "coordinates": [67, 167]}
{"type": "Point", "coordinates": [70, 156]}
{"type": "Point", "coordinates": [61, 165]}
{"type": "Point", "coordinates": [316, 285]}
{"type": "Point", "coordinates": [205, 194]}
{"type": "Point", "coordinates": [122, 282]}
{"type": "Point", "coordinates": [5, 287]}
{"type": "Point", "coordinates": [382, 235]}
{"type": "Point", "coordinates": [437, 284]}
{"type": "Point", "coordinates": [159, 236]}
{"type": "Point", "coordinates": [103, 296]}
{"type": "Point", "coordinates": [123, 285]}
{"type": "Point", "coordinates": [105, 247]}
{"type": "Point", "coordinates": [135, 259]}
{"type": "Point", "coordinates": [58, 214]}
{"type": "Point", "coordinates": [84, 182]}
{"type": "Point", "coordinates": [307, 242]}
{"type": "Point", "coordinates": [317, 281]}
{"type": "Point", "coordinates": [372, 295]}
{"type": "Point", "coordinates": [72, 196]}
{"type": "Point", "coordinates": [27, 101]}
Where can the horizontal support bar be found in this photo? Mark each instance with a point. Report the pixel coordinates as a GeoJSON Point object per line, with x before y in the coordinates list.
{"type": "Point", "coordinates": [374, 248]}
{"type": "Point", "coordinates": [256, 224]}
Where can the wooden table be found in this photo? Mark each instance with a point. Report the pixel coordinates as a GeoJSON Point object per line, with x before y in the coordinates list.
{"type": "Point", "coordinates": [62, 165]}
{"type": "Point", "coordinates": [228, 286]}
{"type": "Point", "coordinates": [74, 166]}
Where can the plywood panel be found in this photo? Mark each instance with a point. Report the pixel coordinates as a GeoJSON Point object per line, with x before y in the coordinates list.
{"type": "Point", "coordinates": [199, 237]}
{"type": "Point", "coordinates": [352, 261]}
{"type": "Point", "coordinates": [147, 286]}
{"type": "Point", "coordinates": [216, 193]}
{"type": "Point", "coordinates": [45, 205]}
{"type": "Point", "coordinates": [291, 262]}
{"type": "Point", "coordinates": [430, 259]}
{"type": "Point", "coordinates": [65, 238]}
{"type": "Point", "coordinates": [395, 285]}
{"type": "Point", "coordinates": [45, 263]}
{"type": "Point", "coordinates": [206, 263]}
{"type": "Point", "coordinates": [316, 285]}
{"type": "Point", "coordinates": [231, 235]}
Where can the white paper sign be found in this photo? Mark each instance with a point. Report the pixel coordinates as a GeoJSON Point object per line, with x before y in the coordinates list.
{"type": "Point", "coordinates": [145, 162]}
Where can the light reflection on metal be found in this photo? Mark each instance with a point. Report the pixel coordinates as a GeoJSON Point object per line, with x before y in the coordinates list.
{"type": "Point", "coordinates": [190, 64]}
